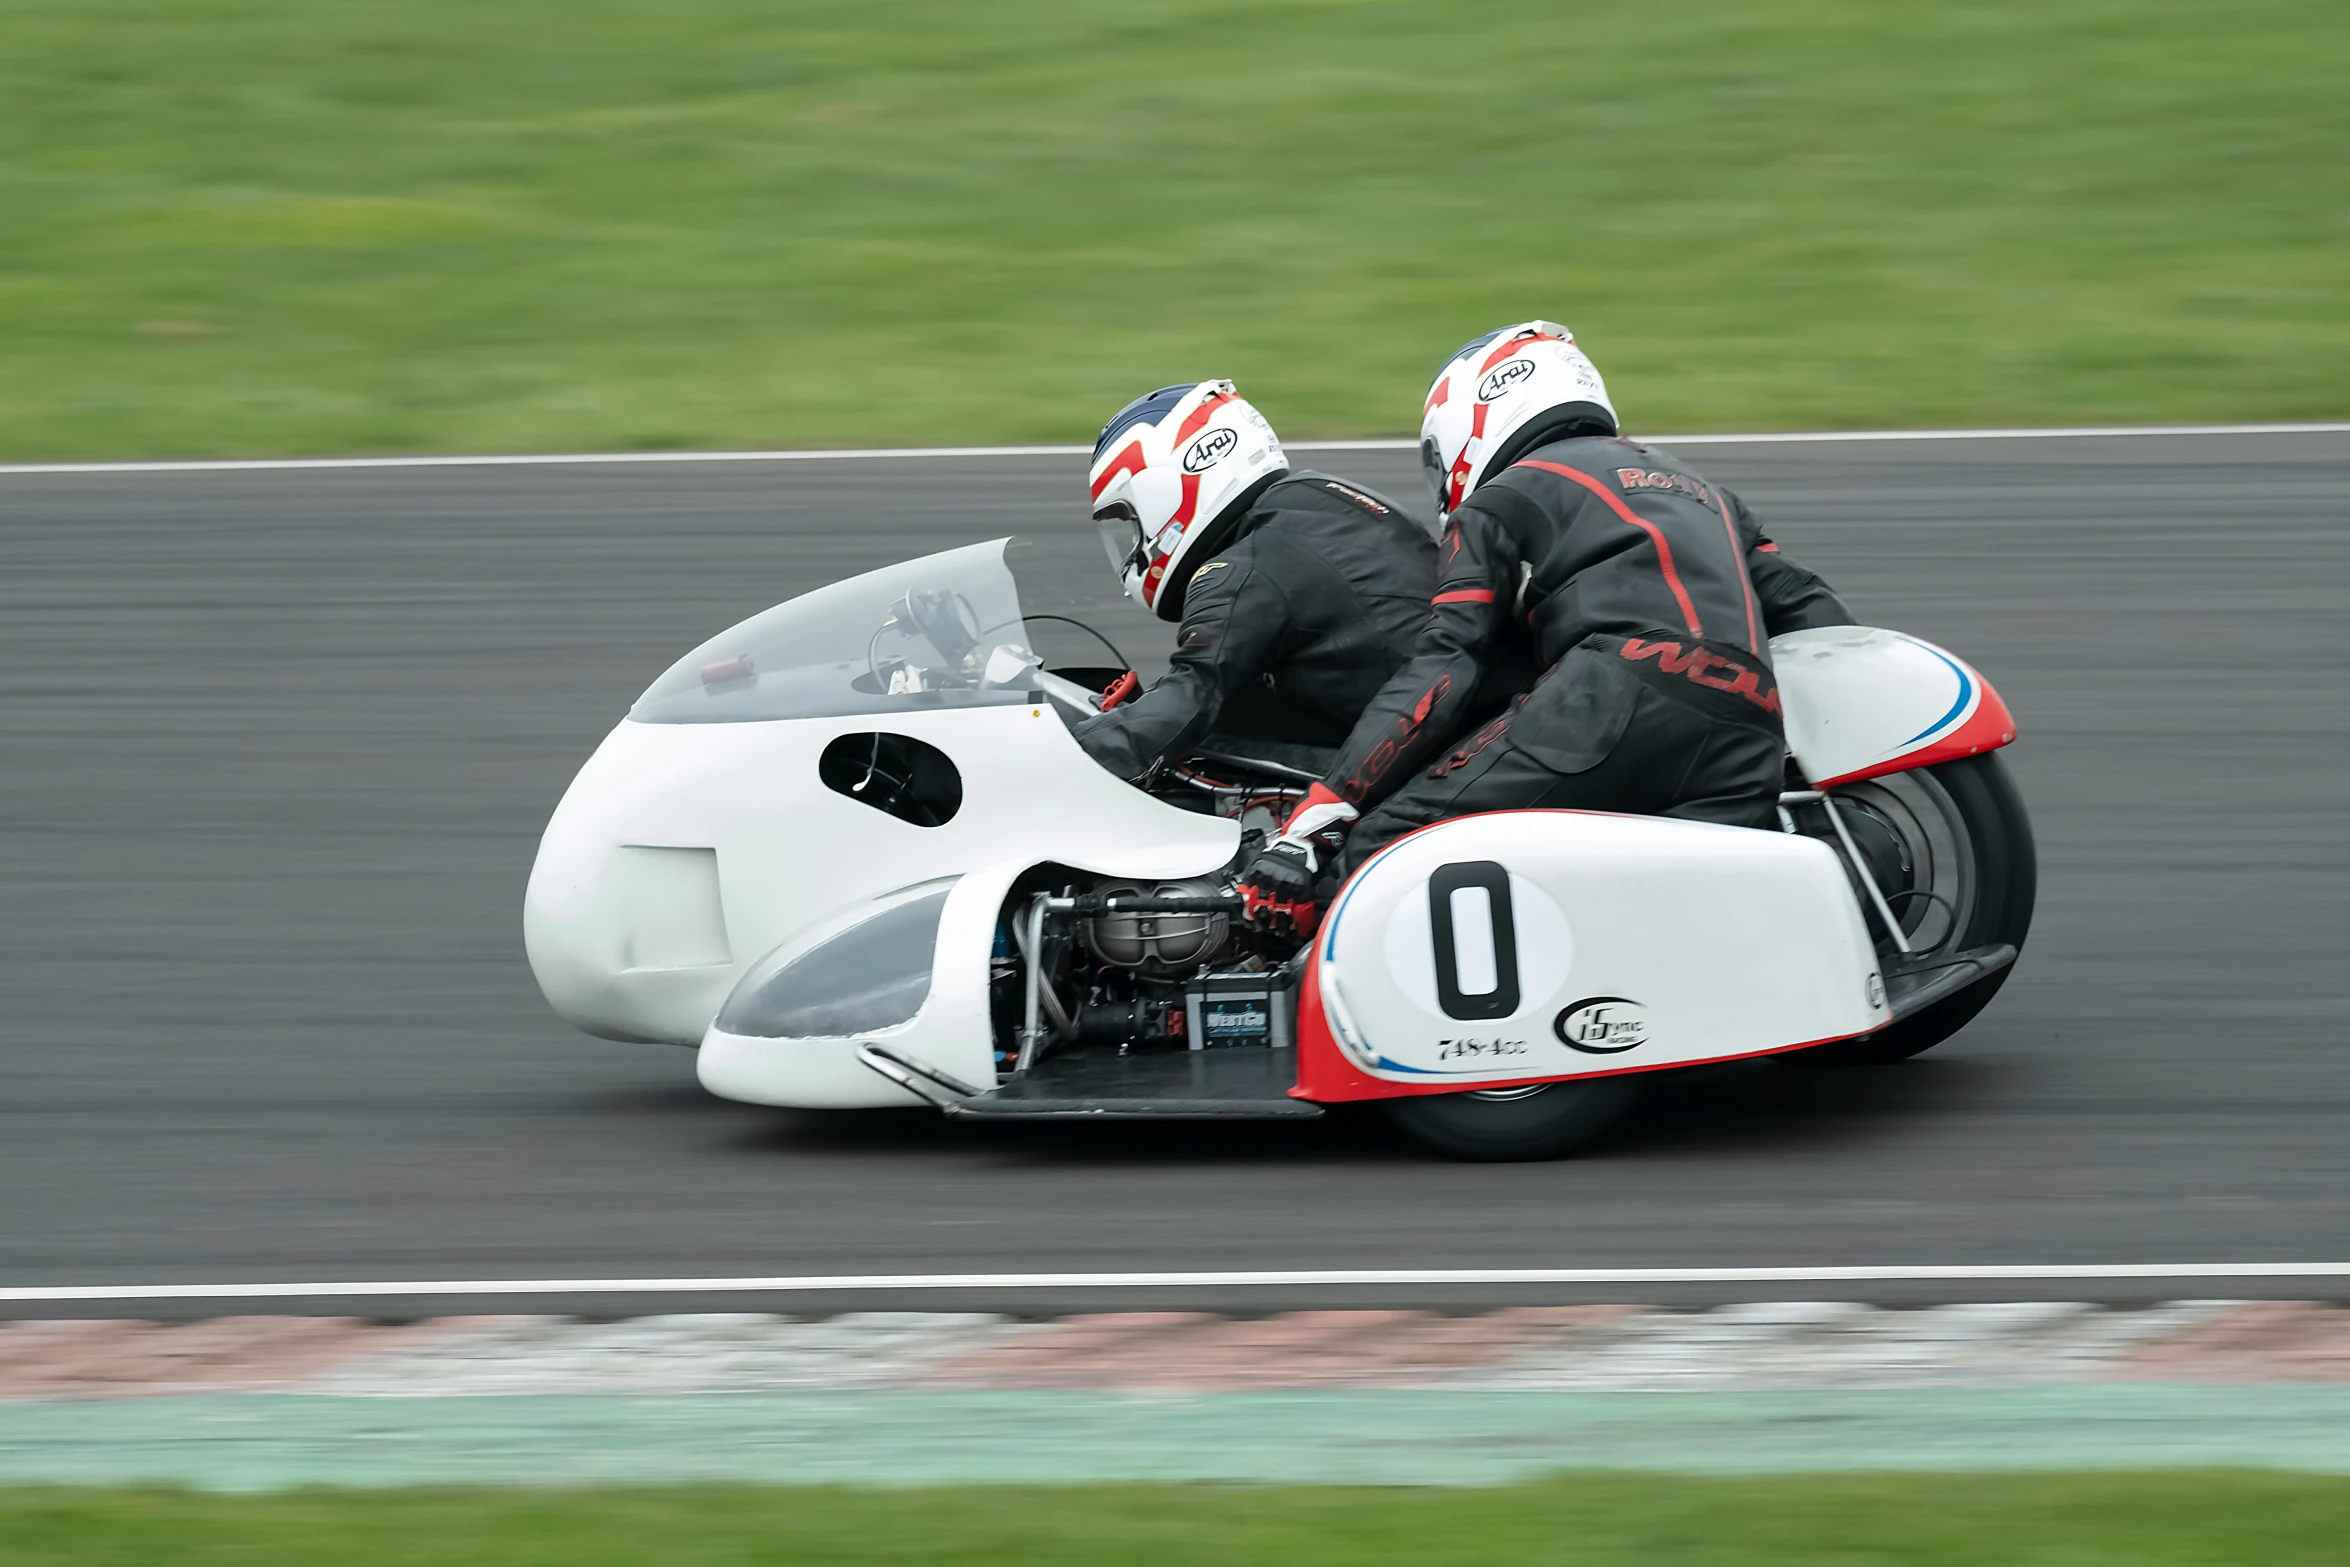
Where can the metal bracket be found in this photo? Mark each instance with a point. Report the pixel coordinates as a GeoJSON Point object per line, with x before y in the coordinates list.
{"type": "Point", "coordinates": [1789, 797]}
{"type": "Point", "coordinates": [915, 1076]}
{"type": "Point", "coordinates": [1861, 868]}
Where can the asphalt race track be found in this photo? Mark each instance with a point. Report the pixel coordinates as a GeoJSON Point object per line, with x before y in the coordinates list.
{"type": "Point", "coordinates": [278, 746]}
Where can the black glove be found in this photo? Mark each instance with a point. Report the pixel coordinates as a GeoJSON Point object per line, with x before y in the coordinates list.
{"type": "Point", "coordinates": [1277, 889]}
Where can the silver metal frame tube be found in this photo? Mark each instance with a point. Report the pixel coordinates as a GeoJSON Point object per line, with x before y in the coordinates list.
{"type": "Point", "coordinates": [1032, 987]}
{"type": "Point", "coordinates": [1861, 868]}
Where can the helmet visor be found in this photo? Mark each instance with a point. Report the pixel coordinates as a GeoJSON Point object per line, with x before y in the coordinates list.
{"type": "Point", "coordinates": [1433, 465]}
{"type": "Point", "coordinates": [1121, 530]}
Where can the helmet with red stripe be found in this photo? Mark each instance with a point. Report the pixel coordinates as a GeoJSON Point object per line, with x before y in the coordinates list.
{"type": "Point", "coordinates": [1170, 474]}
{"type": "Point", "coordinates": [1499, 396]}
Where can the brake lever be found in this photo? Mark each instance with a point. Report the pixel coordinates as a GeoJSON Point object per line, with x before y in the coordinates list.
{"type": "Point", "coordinates": [1121, 690]}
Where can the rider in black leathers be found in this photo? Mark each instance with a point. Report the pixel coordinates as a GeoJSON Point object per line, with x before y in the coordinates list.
{"type": "Point", "coordinates": [1649, 595]}
{"type": "Point", "coordinates": [1288, 631]}
{"type": "Point", "coordinates": [1297, 601]}
{"type": "Point", "coordinates": [1646, 593]}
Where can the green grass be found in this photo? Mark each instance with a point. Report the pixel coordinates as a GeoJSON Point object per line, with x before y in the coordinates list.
{"type": "Point", "coordinates": [262, 226]}
{"type": "Point", "coordinates": [2143, 1519]}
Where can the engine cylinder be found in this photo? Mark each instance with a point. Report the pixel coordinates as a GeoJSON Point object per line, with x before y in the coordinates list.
{"type": "Point", "coordinates": [1157, 944]}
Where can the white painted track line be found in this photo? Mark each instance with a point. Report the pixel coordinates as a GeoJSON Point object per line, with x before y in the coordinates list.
{"type": "Point", "coordinates": [890, 453]}
{"type": "Point", "coordinates": [1288, 1277]}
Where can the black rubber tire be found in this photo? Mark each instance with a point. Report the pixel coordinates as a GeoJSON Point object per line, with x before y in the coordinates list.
{"type": "Point", "coordinates": [2008, 878]}
{"type": "Point", "coordinates": [1557, 1119]}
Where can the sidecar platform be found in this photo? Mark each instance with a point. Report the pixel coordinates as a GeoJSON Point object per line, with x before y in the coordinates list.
{"type": "Point", "coordinates": [1197, 1085]}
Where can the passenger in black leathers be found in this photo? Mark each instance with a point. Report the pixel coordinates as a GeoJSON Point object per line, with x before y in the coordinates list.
{"type": "Point", "coordinates": [1293, 619]}
{"type": "Point", "coordinates": [1647, 594]}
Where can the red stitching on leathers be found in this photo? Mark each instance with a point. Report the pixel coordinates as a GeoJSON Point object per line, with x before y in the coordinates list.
{"type": "Point", "coordinates": [1664, 551]}
{"type": "Point", "coordinates": [1698, 664]}
{"type": "Point", "coordinates": [1745, 583]}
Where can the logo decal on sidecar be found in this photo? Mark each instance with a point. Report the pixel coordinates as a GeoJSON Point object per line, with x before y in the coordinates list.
{"type": "Point", "coordinates": [1602, 1025]}
{"type": "Point", "coordinates": [1502, 377]}
{"type": "Point", "coordinates": [1209, 450]}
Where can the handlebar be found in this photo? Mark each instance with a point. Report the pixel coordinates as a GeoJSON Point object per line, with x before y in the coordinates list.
{"type": "Point", "coordinates": [1093, 903]}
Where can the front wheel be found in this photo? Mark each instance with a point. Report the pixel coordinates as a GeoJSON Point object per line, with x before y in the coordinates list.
{"type": "Point", "coordinates": [1494, 1125]}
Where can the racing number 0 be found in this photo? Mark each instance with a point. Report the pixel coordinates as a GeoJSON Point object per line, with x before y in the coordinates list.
{"type": "Point", "coordinates": [1475, 937]}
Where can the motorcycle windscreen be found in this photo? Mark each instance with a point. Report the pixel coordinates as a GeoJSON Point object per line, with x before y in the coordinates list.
{"type": "Point", "coordinates": [943, 631]}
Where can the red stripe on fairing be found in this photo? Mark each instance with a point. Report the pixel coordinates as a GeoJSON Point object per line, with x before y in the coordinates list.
{"type": "Point", "coordinates": [1990, 727]}
{"type": "Point", "coordinates": [1326, 1076]}
{"type": "Point", "coordinates": [1199, 416]}
{"type": "Point", "coordinates": [1745, 583]}
{"type": "Point", "coordinates": [1127, 461]}
{"type": "Point", "coordinates": [1664, 551]}
{"type": "Point", "coordinates": [1464, 596]}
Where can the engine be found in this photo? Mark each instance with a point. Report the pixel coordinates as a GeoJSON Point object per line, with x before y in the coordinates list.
{"type": "Point", "coordinates": [1157, 945]}
{"type": "Point", "coordinates": [1125, 966]}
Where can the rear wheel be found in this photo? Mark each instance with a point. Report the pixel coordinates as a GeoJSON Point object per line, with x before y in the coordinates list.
{"type": "Point", "coordinates": [1540, 1121]}
{"type": "Point", "coordinates": [1951, 848]}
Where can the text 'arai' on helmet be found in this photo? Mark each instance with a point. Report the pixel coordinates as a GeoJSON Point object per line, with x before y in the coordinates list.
{"type": "Point", "coordinates": [1499, 396]}
{"type": "Point", "coordinates": [1169, 474]}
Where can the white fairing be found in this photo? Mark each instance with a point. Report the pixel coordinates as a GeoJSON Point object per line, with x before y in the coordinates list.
{"type": "Point", "coordinates": [1627, 942]}
{"type": "Point", "coordinates": [1858, 698]}
{"type": "Point", "coordinates": [687, 850]}
{"type": "Point", "coordinates": [700, 854]}
{"type": "Point", "coordinates": [731, 828]}
{"type": "Point", "coordinates": [951, 1031]}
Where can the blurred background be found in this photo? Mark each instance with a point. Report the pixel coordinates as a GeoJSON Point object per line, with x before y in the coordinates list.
{"type": "Point", "coordinates": [279, 746]}
{"type": "Point", "coordinates": [243, 227]}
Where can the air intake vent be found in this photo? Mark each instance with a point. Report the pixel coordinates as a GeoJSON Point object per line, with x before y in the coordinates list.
{"type": "Point", "coordinates": [669, 901]}
{"type": "Point", "coordinates": [896, 774]}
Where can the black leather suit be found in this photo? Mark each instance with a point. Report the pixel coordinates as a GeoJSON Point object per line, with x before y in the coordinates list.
{"type": "Point", "coordinates": [1648, 594]}
{"type": "Point", "coordinates": [1290, 627]}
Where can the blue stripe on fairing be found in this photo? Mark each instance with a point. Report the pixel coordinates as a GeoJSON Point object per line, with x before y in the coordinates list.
{"type": "Point", "coordinates": [1424, 1071]}
{"type": "Point", "coordinates": [1966, 692]}
{"type": "Point", "coordinates": [1353, 885]}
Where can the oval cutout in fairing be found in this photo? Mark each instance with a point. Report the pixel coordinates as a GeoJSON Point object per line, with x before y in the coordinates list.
{"type": "Point", "coordinates": [907, 778]}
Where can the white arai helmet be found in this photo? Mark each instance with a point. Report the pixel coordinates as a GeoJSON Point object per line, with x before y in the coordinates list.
{"type": "Point", "coordinates": [1499, 394]}
{"type": "Point", "coordinates": [1166, 473]}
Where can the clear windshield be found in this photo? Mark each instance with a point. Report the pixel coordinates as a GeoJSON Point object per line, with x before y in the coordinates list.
{"type": "Point", "coordinates": [942, 631]}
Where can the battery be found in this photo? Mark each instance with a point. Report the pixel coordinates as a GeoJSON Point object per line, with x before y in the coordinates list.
{"type": "Point", "coordinates": [1241, 1009]}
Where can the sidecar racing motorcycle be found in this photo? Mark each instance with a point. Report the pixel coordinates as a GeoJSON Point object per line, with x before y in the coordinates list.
{"type": "Point", "coordinates": [850, 850]}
